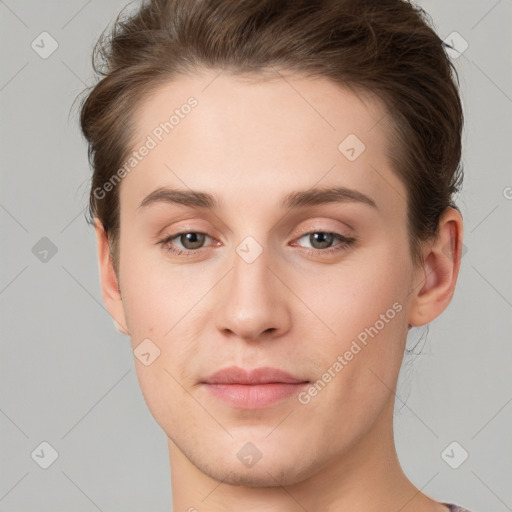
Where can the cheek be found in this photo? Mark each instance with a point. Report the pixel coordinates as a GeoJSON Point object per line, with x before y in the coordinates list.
{"type": "Point", "coordinates": [364, 308]}
{"type": "Point", "coordinates": [161, 393]}
{"type": "Point", "coordinates": [352, 296]}
{"type": "Point", "coordinates": [357, 369]}
{"type": "Point", "coordinates": [156, 294]}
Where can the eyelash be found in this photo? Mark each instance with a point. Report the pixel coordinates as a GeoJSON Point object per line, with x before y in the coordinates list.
{"type": "Point", "coordinates": [345, 243]}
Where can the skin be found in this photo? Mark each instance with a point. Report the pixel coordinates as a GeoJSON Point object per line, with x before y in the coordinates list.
{"type": "Point", "coordinates": [250, 143]}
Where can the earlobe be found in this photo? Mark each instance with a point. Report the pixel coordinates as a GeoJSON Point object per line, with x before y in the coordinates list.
{"type": "Point", "coordinates": [121, 328]}
{"type": "Point", "coordinates": [109, 283]}
{"type": "Point", "coordinates": [437, 277]}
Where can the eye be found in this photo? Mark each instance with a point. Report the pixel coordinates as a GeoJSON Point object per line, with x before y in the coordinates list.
{"type": "Point", "coordinates": [190, 241]}
{"type": "Point", "coordinates": [321, 242]}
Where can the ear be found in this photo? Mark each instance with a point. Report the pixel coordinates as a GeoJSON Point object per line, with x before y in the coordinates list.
{"type": "Point", "coordinates": [109, 283]}
{"type": "Point", "coordinates": [435, 280]}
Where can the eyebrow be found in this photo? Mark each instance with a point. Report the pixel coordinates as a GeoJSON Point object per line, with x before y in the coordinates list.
{"type": "Point", "coordinates": [293, 200]}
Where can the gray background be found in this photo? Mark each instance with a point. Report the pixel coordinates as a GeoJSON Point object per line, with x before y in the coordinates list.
{"type": "Point", "coordinates": [68, 377]}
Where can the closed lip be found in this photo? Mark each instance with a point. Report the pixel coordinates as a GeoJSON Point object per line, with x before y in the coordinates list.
{"type": "Point", "coordinates": [262, 375]}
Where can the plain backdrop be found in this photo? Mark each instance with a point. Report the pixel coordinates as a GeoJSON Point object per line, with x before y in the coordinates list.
{"type": "Point", "coordinates": [68, 377]}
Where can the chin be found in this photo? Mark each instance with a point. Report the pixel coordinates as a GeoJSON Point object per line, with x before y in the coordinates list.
{"type": "Point", "coordinates": [255, 477]}
{"type": "Point", "coordinates": [269, 471]}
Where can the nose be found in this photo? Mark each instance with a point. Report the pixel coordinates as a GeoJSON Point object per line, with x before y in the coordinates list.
{"type": "Point", "coordinates": [253, 301]}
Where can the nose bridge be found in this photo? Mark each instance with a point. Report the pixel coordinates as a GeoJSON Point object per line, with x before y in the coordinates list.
{"type": "Point", "coordinates": [252, 303]}
{"type": "Point", "coordinates": [250, 268]}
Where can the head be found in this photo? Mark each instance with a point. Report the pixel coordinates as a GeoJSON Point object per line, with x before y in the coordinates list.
{"type": "Point", "coordinates": [291, 119]}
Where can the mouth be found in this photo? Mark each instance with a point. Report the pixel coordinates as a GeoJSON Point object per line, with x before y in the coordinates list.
{"type": "Point", "coordinates": [252, 389]}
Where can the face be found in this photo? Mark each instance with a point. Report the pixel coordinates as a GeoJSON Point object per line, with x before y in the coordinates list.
{"type": "Point", "coordinates": [265, 273]}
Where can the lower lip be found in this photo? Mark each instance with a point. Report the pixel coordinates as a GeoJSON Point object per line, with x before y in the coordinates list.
{"type": "Point", "coordinates": [254, 396]}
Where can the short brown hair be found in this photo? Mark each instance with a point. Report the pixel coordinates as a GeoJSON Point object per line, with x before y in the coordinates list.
{"type": "Point", "coordinates": [385, 47]}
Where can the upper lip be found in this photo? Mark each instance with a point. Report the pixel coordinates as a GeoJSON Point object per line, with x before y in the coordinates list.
{"type": "Point", "coordinates": [262, 375]}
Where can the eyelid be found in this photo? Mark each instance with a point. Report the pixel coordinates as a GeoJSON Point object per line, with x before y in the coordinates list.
{"type": "Point", "coordinates": [322, 229]}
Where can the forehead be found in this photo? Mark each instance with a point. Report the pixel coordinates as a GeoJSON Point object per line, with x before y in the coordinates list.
{"type": "Point", "coordinates": [242, 134]}
{"type": "Point", "coordinates": [263, 106]}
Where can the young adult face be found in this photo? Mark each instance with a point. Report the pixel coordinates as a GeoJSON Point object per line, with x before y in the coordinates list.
{"type": "Point", "coordinates": [261, 289]}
